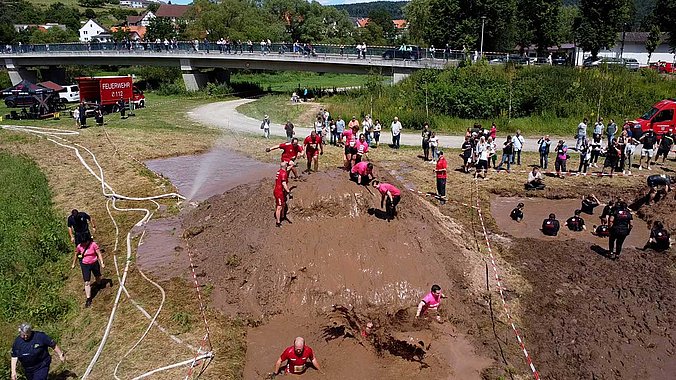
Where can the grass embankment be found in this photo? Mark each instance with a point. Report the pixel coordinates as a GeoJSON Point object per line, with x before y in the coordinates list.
{"type": "Point", "coordinates": [34, 253]}
{"type": "Point", "coordinates": [162, 129]}
{"type": "Point", "coordinates": [289, 81]}
{"type": "Point", "coordinates": [280, 109]}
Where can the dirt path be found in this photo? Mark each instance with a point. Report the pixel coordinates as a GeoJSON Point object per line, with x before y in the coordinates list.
{"type": "Point", "coordinates": [225, 115]}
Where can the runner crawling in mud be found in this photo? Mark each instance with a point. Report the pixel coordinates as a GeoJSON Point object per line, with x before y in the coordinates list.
{"type": "Point", "coordinates": [517, 212]}
{"type": "Point", "coordinates": [280, 193]}
{"type": "Point", "coordinates": [658, 184]}
{"type": "Point", "coordinates": [575, 222]}
{"type": "Point", "coordinates": [391, 194]}
{"type": "Point", "coordinates": [431, 303]}
{"type": "Point", "coordinates": [550, 226]}
{"type": "Point", "coordinates": [290, 153]}
{"type": "Point", "coordinates": [297, 357]}
{"type": "Point", "coordinates": [362, 173]}
{"type": "Point", "coordinates": [659, 238]}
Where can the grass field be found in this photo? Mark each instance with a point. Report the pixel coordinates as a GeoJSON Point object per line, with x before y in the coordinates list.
{"type": "Point", "coordinates": [289, 81]}
{"type": "Point", "coordinates": [162, 129]}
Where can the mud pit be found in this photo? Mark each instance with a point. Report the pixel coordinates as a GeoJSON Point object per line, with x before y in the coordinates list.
{"type": "Point", "coordinates": [292, 280]}
{"type": "Point", "coordinates": [538, 209]}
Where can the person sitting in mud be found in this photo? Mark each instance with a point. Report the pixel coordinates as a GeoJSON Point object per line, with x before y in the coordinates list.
{"type": "Point", "coordinates": [517, 213]}
{"type": "Point", "coordinates": [575, 222]}
{"type": "Point", "coordinates": [430, 303]}
{"type": "Point", "coordinates": [659, 238]}
{"type": "Point", "coordinates": [281, 192]}
{"type": "Point", "coordinates": [297, 358]}
{"type": "Point", "coordinates": [535, 180]}
{"type": "Point", "coordinates": [391, 194]}
{"type": "Point", "coordinates": [550, 226]}
{"type": "Point", "coordinates": [290, 152]}
{"type": "Point", "coordinates": [602, 230]}
{"type": "Point", "coordinates": [658, 183]}
{"type": "Point", "coordinates": [589, 203]}
{"type": "Point", "coordinates": [362, 173]}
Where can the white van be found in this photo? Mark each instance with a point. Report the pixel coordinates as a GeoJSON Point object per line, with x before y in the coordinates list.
{"type": "Point", "coordinates": [70, 94]}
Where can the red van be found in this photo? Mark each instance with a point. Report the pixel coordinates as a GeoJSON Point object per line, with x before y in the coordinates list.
{"type": "Point", "coordinates": [660, 118]}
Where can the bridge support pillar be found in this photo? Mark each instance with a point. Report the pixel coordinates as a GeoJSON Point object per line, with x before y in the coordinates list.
{"type": "Point", "coordinates": [399, 76]}
{"type": "Point", "coordinates": [18, 73]}
{"type": "Point", "coordinates": [194, 80]}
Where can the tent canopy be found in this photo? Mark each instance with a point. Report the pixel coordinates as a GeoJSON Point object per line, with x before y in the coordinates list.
{"type": "Point", "coordinates": [26, 88]}
{"type": "Point", "coordinates": [49, 84]}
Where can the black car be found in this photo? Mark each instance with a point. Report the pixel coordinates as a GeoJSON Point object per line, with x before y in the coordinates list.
{"type": "Point", "coordinates": [14, 101]}
{"type": "Point", "coordinates": [406, 52]}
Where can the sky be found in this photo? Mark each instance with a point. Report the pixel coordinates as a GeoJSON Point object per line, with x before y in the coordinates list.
{"type": "Point", "coordinates": [325, 2]}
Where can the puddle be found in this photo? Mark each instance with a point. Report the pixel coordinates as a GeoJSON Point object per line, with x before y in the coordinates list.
{"type": "Point", "coordinates": [197, 177]}
{"type": "Point", "coordinates": [200, 176]}
{"type": "Point", "coordinates": [538, 209]}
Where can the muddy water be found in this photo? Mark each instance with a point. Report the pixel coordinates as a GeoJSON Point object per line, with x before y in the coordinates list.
{"type": "Point", "coordinates": [197, 177]}
{"type": "Point", "coordinates": [538, 209]}
{"type": "Point", "coordinates": [200, 176]}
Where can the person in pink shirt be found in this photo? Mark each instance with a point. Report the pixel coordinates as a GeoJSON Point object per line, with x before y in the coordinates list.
{"type": "Point", "coordinates": [431, 303]}
{"type": "Point", "coordinates": [362, 173]}
{"type": "Point", "coordinates": [362, 148]}
{"type": "Point", "coordinates": [391, 194]}
{"type": "Point", "coordinates": [348, 140]}
{"type": "Point", "coordinates": [91, 261]}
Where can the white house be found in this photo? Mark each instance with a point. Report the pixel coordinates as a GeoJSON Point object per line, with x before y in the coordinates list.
{"type": "Point", "coordinates": [634, 47]}
{"type": "Point", "coordinates": [142, 20]}
{"type": "Point", "coordinates": [91, 29]}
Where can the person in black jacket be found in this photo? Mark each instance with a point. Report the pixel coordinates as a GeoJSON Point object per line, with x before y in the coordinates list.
{"type": "Point", "coordinates": [550, 226]}
{"type": "Point", "coordinates": [620, 227]}
{"type": "Point", "coordinates": [659, 238]}
{"type": "Point", "coordinates": [575, 222]}
{"type": "Point", "coordinates": [517, 213]}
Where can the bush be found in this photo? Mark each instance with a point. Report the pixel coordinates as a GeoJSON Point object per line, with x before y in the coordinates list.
{"type": "Point", "coordinates": [218, 90]}
{"type": "Point", "coordinates": [167, 89]}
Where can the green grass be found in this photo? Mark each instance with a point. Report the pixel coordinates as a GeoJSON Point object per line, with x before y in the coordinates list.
{"type": "Point", "coordinates": [289, 81]}
{"type": "Point", "coordinates": [279, 108]}
{"type": "Point", "coordinates": [34, 253]}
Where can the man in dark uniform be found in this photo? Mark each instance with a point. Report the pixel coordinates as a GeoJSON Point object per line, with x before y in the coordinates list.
{"type": "Point", "coordinates": [607, 211]}
{"type": "Point", "coordinates": [620, 227]}
{"type": "Point", "coordinates": [122, 108]}
{"type": "Point", "coordinates": [659, 238]}
{"type": "Point", "coordinates": [517, 213]}
{"type": "Point", "coordinates": [589, 203]}
{"type": "Point", "coordinates": [78, 226]}
{"type": "Point", "coordinates": [31, 348]}
{"type": "Point", "coordinates": [550, 226]}
{"type": "Point", "coordinates": [658, 183]}
{"type": "Point", "coordinates": [601, 230]}
{"type": "Point", "coordinates": [575, 222]}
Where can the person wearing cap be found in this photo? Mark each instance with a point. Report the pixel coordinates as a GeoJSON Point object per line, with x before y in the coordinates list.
{"type": "Point", "coordinates": [517, 212]}
{"type": "Point", "coordinates": [396, 133]}
{"type": "Point", "coordinates": [297, 358]}
{"type": "Point", "coordinates": [441, 170]}
{"type": "Point", "coordinates": [575, 222]}
{"type": "Point", "coordinates": [31, 349]}
{"type": "Point", "coordinates": [265, 126]}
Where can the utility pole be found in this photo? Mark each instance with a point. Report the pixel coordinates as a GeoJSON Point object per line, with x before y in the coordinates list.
{"type": "Point", "coordinates": [483, 23]}
{"type": "Point", "coordinates": [624, 34]}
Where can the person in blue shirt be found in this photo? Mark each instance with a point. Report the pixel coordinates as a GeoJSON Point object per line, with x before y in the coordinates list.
{"type": "Point", "coordinates": [31, 348]}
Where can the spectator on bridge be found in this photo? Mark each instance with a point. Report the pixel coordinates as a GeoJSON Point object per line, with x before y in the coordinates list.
{"type": "Point", "coordinates": [249, 44]}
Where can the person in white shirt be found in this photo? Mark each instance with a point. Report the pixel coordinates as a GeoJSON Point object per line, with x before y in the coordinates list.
{"type": "Point", "coordinates": [517, 142]}
{"type": "Point", "coordinates": [396, 132]}
{"type": "Point", "coordinates": [482, 151]}
{"type": "Point", "coordinates": [434, 147]}
{"type": "Point", "coordinates": [376, 131]}
{"type": "Point", "coordinates": [367, 127]}
{"type": "Point", "coordinates": [535, 180]}
{"type": "Point", "coordinates": [265, 126]}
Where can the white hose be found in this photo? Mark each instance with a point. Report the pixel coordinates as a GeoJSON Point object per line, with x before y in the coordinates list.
{"type": "Point", "coordinates": [175, 365]}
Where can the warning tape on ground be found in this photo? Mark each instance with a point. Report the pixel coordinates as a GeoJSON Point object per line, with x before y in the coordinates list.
{"type": "Point", "coordinates": [574, 174]}
{"type": "Point", "coordinates": [206, 341]}
{"type": "Point", "coordinates": [500, 288]}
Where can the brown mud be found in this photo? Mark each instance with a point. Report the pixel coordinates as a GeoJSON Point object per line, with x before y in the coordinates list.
{"type": "Point", "coordinates": [335, 268]}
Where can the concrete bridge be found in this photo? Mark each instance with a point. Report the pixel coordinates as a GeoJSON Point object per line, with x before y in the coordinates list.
{"type": "Point", "coordinates": [20, 61]}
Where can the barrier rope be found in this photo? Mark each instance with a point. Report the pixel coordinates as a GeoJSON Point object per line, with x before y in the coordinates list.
{"type": "Point", "coordinates": [207, 339]}
{"type": "Point", "coordinates": [500, 287]}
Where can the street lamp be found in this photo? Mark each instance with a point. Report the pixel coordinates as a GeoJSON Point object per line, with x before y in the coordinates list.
{"type": "Point", "coordinates": [483, 23]}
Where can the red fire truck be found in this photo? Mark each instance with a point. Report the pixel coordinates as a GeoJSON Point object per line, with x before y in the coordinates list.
{"type": "Point", "coordinates": [107, 92]}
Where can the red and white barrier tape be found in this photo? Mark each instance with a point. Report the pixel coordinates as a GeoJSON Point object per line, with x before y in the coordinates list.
{"type": "Point", "coordinates": [206, 340]}
{"type": "Point", "coordinates": [571, 173]}
{"type": "Point", "coordinates": [500, 288]}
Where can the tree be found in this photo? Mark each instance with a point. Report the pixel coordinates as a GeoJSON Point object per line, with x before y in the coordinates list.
{"type": "Point", "coordinates": [542, 24]}
{"type": "Point", "coordinates": [91, 3]}
{"type": "Point", "coordinates": [153, 7]}
{"type": "Point", "coordinates": [161, 28]}
{"type": "Point", "coordinates": [60, 13]}
{"type": "Point", "coordinates": [665, 13]}
{"type": "Point", "coordinates": [51, 36]}
{"type": "Point", "coordinates": [381, 17]}
{"type": "Point", "coordinates": [653, 41]}
{"type": "Point", "coordinates": [7, 34]}
{"type": "Point", "coordinates": [89, 13]}
{"type": "Point", "coordinates": [599, 22]}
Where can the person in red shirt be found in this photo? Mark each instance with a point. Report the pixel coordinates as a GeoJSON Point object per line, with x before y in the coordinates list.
{"type": "Point", "coordinates": [314, 147]}
{"type": "Point", "coordinates": [297, 358]}
{"type": "Point", "coordinates": [290, 152]}
{"type": "Point", "coordinates": [440, 171]}
{"type": "Point", "coordinates": [362, 173]}
{"type": "Point", "coordinates": [391, 194]}
{"type": "Point", "coordinates": [280, 193]}
{"type": "Point", "coordinates": [349, 141]}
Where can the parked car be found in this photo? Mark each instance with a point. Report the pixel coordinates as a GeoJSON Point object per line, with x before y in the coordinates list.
{"type": "Point", "coordinates": [407, 52]}
{"type": "Point", "coordinates": [70, 94]}
{"type": "Point", "coordinates": [661, 118]}
{"type": "Point", "coordinates": [560, 60]}
{"type": "Point", "coordinates": [515, 58]}
{"type": "Point", "coordinates": [663, 67]}
{"type": "Point", "coordinates": [631, 64]}
{"type": "Point", "coordinates": [18, 101]}
{"type": "Point", "coordinates": [598, 61]}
